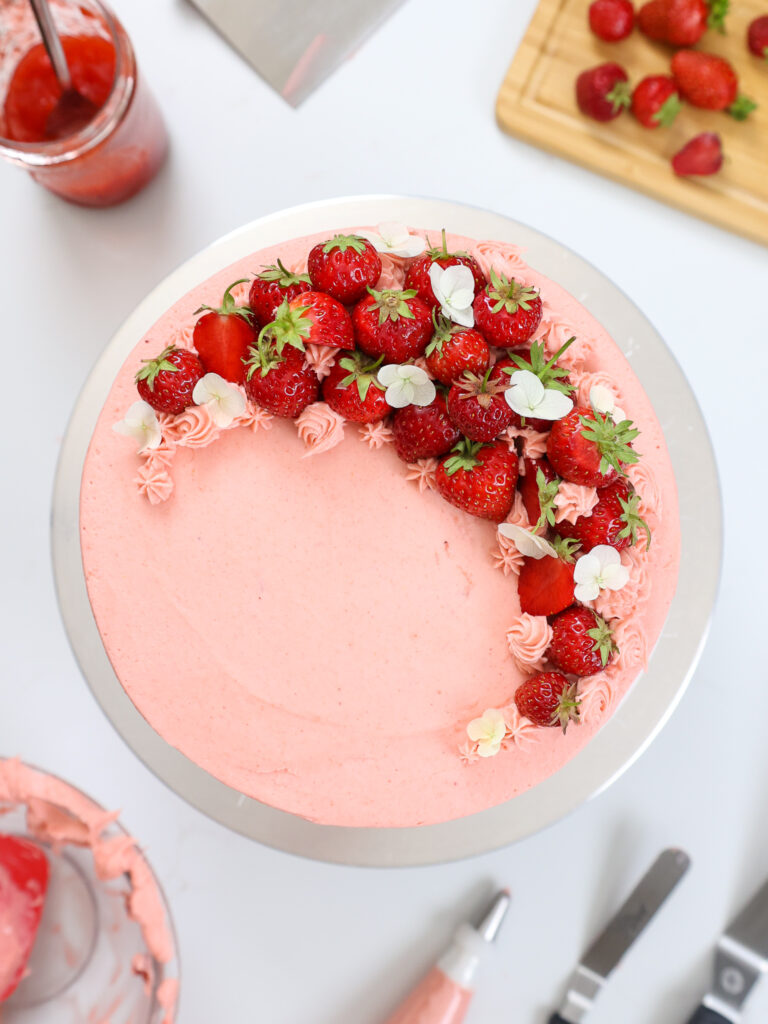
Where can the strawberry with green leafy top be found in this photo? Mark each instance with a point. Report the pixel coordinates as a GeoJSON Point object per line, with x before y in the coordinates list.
{"type": "Point", "coordinates": [479, 479]}
{"type": "Point", "coordinates": [424, 431]}
{"type": "Point", "coordinates": [615, 519]}
{"type": "Point", "coordinates": [507, 312]}
{"type": "Point", "coordinates": [344, 267]}
{"type": "Point", "coordinates": [708, 81]}
{"type": "Point", "coordinates": [548, 699]}
{"type": "Point", "coordinates": [582, 642]}
{"type": "Point", "coordinates": [418, 279]}
{"type": "Point", "coordinates": [478, 408]}
{"type": "Point", "coordinates": [394, 324]}
{"type": "Point", "coordinates": [656, 101]}
{"type": "Point", "coordinates": [168, 381]}
{"type": "Point", "coordinates": [280, 382]}
{"type": "Point", "coordinates": [271, 288]}
{"type": "Point", "coordinates": [545, 585]}
{"type": "Point", "coordinates": [352, 390]}
{"type": "Point", "coordinates": [312, 318]}
{"type": "Point", "coordinates": [223, 335]}
{"type": "Point", "coordinates": [602, 92]}
{"type": "Point", "coordinates": [538, 488]}
{"type": "Point", "coordinates": [757, 36]}
{"type": "Point", "coordinates": [549, 372]}
{"type": "Point", "coordinates": [681, 22]}
{"type": "Point", "coordinates": [454, 349]}
{"type": "Point", "coordinates": [587, 447]}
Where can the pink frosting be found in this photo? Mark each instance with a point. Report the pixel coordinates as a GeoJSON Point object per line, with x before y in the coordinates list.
{"type": "Point", "coordinates": [591, 380]}
{"type": "Point", "coordinates": [320, 428]}
{"type": "Point", "coordinates": [504, 258]}
{"type": "Point", "coordinates": [392, 272]}
{"type": "Point", "coordinates": [193, 428]}
{"type": "Point", "coordinates": [422, 472]}
{"type": "Point", "coordinates": [528, 639]}
{"type": "Point", "coordinates": [597, 696]}
{"type": "Point", "coordinates": [620, 604]}
{"type": "Point", "coordinates": [574, 500]}
{"type": "Point", "coordinates": [321, 359]}
{"type": "Point", "coordinates": [517, 514]}
{"type": "Point", "coordinates": [154, 481]}
{"type": "Point", "coordinates": [377, 434]}
{"type": "Point", "coordinates": [534, 442]}
{"type": "Point", "coordinates": [521, 732]}
{"type": "Point", "coordinates": [633, 648]}
{"type": "Point", "coordinates": [255, 418]}
{"type": "Point", "coordinates": [506, 556]}
{"type": "Point", "coordinates": [643, 480]}
{"type": "Point", "coordinates": [556, 332]}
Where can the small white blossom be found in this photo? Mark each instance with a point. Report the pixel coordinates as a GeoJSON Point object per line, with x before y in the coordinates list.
{"type": "Point", "coordinates": [527, 543]}
{"type": "Point", "coordinates": [395, 240]}
{"type": "Point", "coordinates": [142, 425]}
{"type": "Point", "coordinates": [225, 402]}
{"type": "Point", "coordinates": [528, 397]}
{"type": "Point", "coordinates": [600, 569]}
{"type": "Point", "coordinates": [603, 400]}
{"type": "Point", "coordinates": [454, 289]}
{"type": "Point", "coordinates": [406, 384]}
{"type": "Point", "coordinates": [487, 732]}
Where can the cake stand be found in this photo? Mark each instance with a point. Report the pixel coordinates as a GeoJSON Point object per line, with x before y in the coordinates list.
{"type": "Point", "coordinates": [646, 707]}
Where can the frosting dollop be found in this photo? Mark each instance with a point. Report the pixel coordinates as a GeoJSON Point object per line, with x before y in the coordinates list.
{"type": "Point", "coordinates": [620, 604]}
{"type": "Point", "coordinates": [193, 428]}
{"type": "Point", "coordinates": [154, 481]}
{"type": "Point", "coordinates": [503, 257]}
{"type": "Point", "coordinates": [587, 381]}
{"type": "Point", "coordinates": [596, 693]}
{"type": "Point", "coordinates": [392, 272]}
{"type": "Point", "coordinates": [377, 434]}
{"type": "Point", "coordinates": [320, 358]}
{"type": "Point", "coordinates": [573, 501]}
{"type": "Point", "coordinates": [422, 473]}
{"type": "Point", "coordinates": [320, 428]}
{"type": "Point", "coordinates": [528, 640]}
{"type": "Point", "coordinates": [644, 481]}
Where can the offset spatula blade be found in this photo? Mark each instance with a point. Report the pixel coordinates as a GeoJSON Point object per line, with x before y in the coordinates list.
{"type": "Point", "coordinates": [622, 930]}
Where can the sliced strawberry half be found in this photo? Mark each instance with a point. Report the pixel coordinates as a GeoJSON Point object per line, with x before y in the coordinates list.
{"type": "Point", "coordinates": [545, 585]}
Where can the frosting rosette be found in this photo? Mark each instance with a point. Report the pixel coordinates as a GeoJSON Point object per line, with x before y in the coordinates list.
{"type": "Point", "coordinates": [503, 257]}
{"type": "Point", "coordinates": [320, 358]}
{"type": "Point", "coordinates": [392, 272]}
{"type": "Point", "coordinates": [528, 639]}
{"type": "Point", "coordinates": [422, 473]}
{"type": "Point", "coordinates": [644, 481]}
{"type": "Point", "coordinates": [193, 428]}
{"type": "Point", "coordinates": [376, 435]}
{"type": "Point", "coordinates": [573, 501]}
{"type": "Point", "coordinates": [154, 481]}
{"type": "Point", "coordinates": [320, 428]}
{"type": "Point", "coordinates": [596, 695]}
{"type": "Point", "coordinates": [620, 604]}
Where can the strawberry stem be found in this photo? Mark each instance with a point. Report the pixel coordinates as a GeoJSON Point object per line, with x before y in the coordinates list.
{"type": "Point", "coordinates": [228, 305]}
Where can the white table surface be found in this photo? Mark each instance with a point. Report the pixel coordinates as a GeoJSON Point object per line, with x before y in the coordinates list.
{"type": "Point", "coordinates": [266, 937]}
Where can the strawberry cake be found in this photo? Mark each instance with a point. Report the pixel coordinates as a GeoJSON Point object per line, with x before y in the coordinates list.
{"type": "Point", "coordinates": [378, 526]}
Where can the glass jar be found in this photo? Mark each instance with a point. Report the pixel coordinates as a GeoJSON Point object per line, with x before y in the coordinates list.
{"type": "Point", "coordinates": [121, 149]}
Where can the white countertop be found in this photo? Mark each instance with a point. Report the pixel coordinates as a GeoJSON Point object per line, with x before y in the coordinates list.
{"type": "Point", "coordinates": [267, 937]}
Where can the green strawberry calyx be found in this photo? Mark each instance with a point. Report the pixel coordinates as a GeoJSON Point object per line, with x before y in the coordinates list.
{"type": "Point", "coordinates": [284, 277]}
{"type": "Point", "coordinates": [668, 111]}
{"type": "Point", "coordinates": [229, 306]}
{"type": "Point", "coordinates": [364, 374]}
{"type": "Point", "coordinates": [633, 521]}
{"type": "Point", "coordinates": [549, 373]}
{"type": "Point", "coordinates": [441, 252]}
{"type": "Point", "coordinates": [566, 548]}
{"type": "Point", "coordinates": [472, 385]}
{"type": "Point", "coordinates": [262, 356]}
{"type": "Point", "coordinates": [152, 367]}
{"type": "Point", "coordinates": [509, 294]}
{"type": "Point", "coordinates": [465, 457]}
{"type": "Point", "coordinates": [568, 707]}
{"type": "Point", "coordinates": [603, 637]}
{"type": "Point", "coordinates": [392, 304]}
{"type": "Point", "coordinates": [547, 493]}
{"type": "Point", "coordinates": [613, 440]}
{"type": "Point", "coordinates": [344, 242]}
{"type": "Point", "coordinates": [291, 326]}
{"type": "Point", "coordinates": [741, 108]}
{"type": "Point", "coordinates": [620, 96]}
{"type": "Point", "coordinates": [718, 10]}
{"type": "Point", "coordinates": [445, 329]}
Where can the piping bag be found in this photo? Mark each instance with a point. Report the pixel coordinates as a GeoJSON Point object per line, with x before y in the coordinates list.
{"type": "Point", "coordinates": [444, 994]}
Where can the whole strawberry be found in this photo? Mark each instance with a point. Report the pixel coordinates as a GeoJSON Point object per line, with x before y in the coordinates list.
{"type": "Point", "coordinates": [708, 81]}
{"type": "Point", "coordinates": [417, 279]}
{"type": "Point", "coordinates": [394, 324]}
{"type": "Point", "coordinates": [311, 318]}
{"type": "Point", "coordinates": [352, 390]}
{"type": "Point", "coordinates": [548, 699]}
{"type": "Point", "coordinates": [615, 519]}
{"type": "Point", "coordinates": [757, 36]}
{"type": "Point", "coordinates": [168, 381]}
{"type": "Point", "coordinates": [479, 479]}
{"type": "Point", "coordinates": [478, 408]}
{"type": "Point", "coordinates": [702, 155]}
{"type": "Point", "coordinates": [223, 335]}
{"type": "Point", "coordinates": [454, 349]}
{"type": "Point", "coordinates": [280, 382]}
{"type": "Point", "coordinates": [424, 432]}
{"type": "Point", "coordinates": [545, 585]}
{"type": "Point", "coordinates": [271, 288]}
{"type": "Point", "coordinates": [538, 488]}
{"type": "Point", "coordinates": [656, 101]}
{"type": "Point", "coordinates": [681, 22]}
{"type": "Point", "coordinates": [507, 312]}
{"type": "Point", "coordinates": [582, 643]}
{"type": "Point", "coordinates": [611, 20]}
{"type": "Point", "coordinates": [549, 371]}
{"type": "Point", "coordinates": [603, 92]}
{"type": "Point", "coordinates": [344, 267]}
{"type": "Point", "coordinates": [588, 448]}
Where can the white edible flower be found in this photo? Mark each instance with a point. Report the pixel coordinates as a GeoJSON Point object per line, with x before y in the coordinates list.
{"type": "Point", "coordinates": [225, 402]}
{"type": "Point", "coordinates": [603, 400]}
{"type": "Point", "coordinates": [395, 240]}
{"type": "Point", "coordinates": [487, 732]}
{"type": "Point", "coordinates": [454, 289]}
{"type": "Point", "coordinates": [406, 384]}
{"type": "Point", "coordinates": [528, 397]}
{"type": "Point", "coordinates": [527, 543]}
{"type": "Point", "coordinates": [142, 425]}
{"type": "Point", "coordinates": [600, 569]}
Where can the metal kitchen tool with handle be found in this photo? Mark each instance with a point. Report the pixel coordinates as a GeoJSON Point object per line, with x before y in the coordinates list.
{"type": "Point", "coordinates": [631, 919]}
{"type": "Point", "coordinates": [740, 961]}
{"type": "Point", "coordinates": [293, 44]}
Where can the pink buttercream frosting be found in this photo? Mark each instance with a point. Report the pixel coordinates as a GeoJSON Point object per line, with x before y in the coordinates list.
{"type": "Point", "coordinates": [377, 434]}
{"type": "Point", "coordinates": [528, 639]}
{"type": "Point", "coordinates": [643, 480]}
{"type": "Point", "coordinates": [154, 481]}
{"type": "Point", "coordinates": [596, 695]}
{"type": "Point", "coordinates": [321, 359]}
{"type": "Point", "coordinates": [193, 428]}
{"type": "Point", "coordinates": [588, 381]}
{"type": "Point", "coordinates": [422, 473]}
{"type": "Point", "coordinates": [320, 428]}
{"type": "Point", "coordinates": [620, 604]}
{"type": "Point", "coordinates": [392, 272]}
{"type": "Point", "coordinates": [504, 258]}
{"type": "Point", "coordinates": [573, 501]}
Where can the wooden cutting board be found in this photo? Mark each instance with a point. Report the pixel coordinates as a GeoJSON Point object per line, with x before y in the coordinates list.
{"type": "Point", "coordinates": [536, 102]}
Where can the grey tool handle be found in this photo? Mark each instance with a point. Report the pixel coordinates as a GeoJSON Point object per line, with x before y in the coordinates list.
{"type": "Point", "coordinates": [706, 1016]}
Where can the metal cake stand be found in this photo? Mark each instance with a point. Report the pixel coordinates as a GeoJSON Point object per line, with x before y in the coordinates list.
{"type": "Point", "coordinates": [647, 706]}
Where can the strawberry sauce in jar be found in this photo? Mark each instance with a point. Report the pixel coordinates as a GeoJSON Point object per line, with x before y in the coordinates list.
{"type": "Point", "coordinates": [120, 148]}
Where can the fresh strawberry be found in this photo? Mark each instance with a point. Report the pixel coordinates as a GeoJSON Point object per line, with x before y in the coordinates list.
{"type": "Point", "coordinates": [549, 371]}
{"type": "Point", "coordinates": [709, 81]}
{"type": "Point", "coordinates": [417, 277]}
{"type": "Point", "coordinates": [344, 267]}
{"type": "Point", "coordinates": [393, 324]}
{"type": "Point", "coordinates": [614, 520]}
{"type": "Point", "coordinates": [271, 288]}
{"type": "Point", "coordinates": [702, 155]}
{"type": "Point", "coordinates": [548, 699]}
{"type": "Point", "coordinates": [223, 336]}
{"type": "Point", "coordinates": [656, 101]}
{"type": "Point", "coordinates": [507, 312]}
{"type": "Point", "coordinates": [588, 448]}
{"type": "Point", "coordinates": [23, 885]}
{"type": "Point", "coordinates": [168, 381]}
{"type": "Point", "coordinates": [611, 20]}
{"type": "Point", "coordinates": [603, 92]}
{"type": "Point", "coordinates": [582, 642]}
{"type": "Point", "coordinates": [479, 478]}
{"type": "Point", "coordinates": [538, 487]}
{"type": "Point", "coordinates": [424, 432]}
{"type": "Point", "coordinates": [478, 408]}
{"type": "Point", "coordinates": [757, 36]}
{"type": "Point", "coordinates": [454, 349]}
{"type": "Point", "coordinates": [311, 318]}
{"type": "Point", "coordinates": [352, 390]}
{"type": "Point", "coordinates": [545, 585]}
{"type": "Point", "coordinates": [681, 22]}
{"type": "Point", "coordinates": [280, 382]}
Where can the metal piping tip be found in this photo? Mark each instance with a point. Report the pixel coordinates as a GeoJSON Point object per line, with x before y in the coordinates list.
{"type": "Point", "coordinates": [488, 928]}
